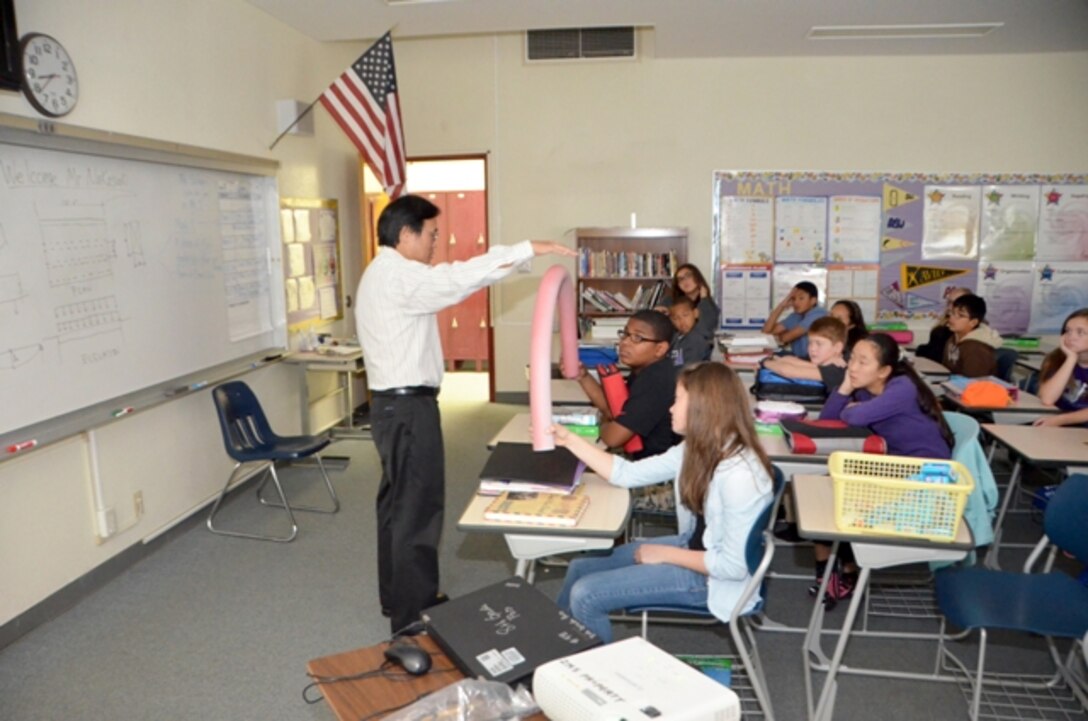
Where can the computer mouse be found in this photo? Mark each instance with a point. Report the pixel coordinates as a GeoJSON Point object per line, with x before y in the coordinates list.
{"type": "Point", "coordinates": [411, 658]}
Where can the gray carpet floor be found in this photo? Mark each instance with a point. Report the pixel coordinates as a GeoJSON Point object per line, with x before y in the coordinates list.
{"type": "Point", "coordinates": [219, 628]}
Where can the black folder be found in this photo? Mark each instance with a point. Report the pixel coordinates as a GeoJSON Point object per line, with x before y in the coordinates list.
{"type": "Point", "coordinates": [519, 463]}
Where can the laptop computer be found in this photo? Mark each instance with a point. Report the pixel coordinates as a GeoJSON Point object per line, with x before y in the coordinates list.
{"type": "Point", "coordinates": [504, 631]}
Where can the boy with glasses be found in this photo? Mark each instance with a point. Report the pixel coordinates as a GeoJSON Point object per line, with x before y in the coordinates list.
{"type": "Point", "coordinates": [970, 350]}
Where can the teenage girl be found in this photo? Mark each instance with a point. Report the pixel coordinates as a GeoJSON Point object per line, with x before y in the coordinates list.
{"type": "Point", "coordinates": [723, 482]}
{"type": "Point", "coordinates": [883, 393]}
{"type": "Point", "coordinates": [850, 314]}
{"type": "Point", "coordinates": [1064, 375]}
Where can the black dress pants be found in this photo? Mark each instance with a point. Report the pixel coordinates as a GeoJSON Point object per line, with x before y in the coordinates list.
{"type": "Point", "coordinates": [411, 500]}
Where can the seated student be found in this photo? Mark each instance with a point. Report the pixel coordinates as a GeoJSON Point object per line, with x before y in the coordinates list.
{"type": "Point", "coordinates": [850, 314]}
{"type": "Point", "coordinates": [883, 393]}
{"type": "Point", "coordinates": [644, 348]}
{"type": "Point", "coordinates": [723, 482]}
{"type": "Point", "coordinates": [688, 282]}
{"type": "Point", "coordinates": [939, 335]}
{"type": "Point", "coordinates": [1064, 375]}
{"type": "Point", "coordinates": [970, 350]}
{"type": "Point", "coordinates": [826, 339]}
{"type": "Point", "coordinates": [805, 301]}
{"type": "Point", "coordinates": [688, 345]}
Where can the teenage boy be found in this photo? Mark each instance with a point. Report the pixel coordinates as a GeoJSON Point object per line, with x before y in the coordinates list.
{"type": "Point", "coordinates": [805, 301]}
{"type": "Point", "coordinates": [644, 348]}
{"type": "Point", "coordinates": [970, 350]}
{"type": "Point", "coordinates": [689, 345]}
{"type": "Point", "coordinates": [826, 342]}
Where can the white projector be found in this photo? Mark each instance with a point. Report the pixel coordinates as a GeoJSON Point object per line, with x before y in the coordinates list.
{"type": "Point", "coordinates": [630, 680]}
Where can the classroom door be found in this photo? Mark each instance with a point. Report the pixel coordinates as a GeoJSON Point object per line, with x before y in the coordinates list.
{"type": "Point", "coordinates": [462, 234]}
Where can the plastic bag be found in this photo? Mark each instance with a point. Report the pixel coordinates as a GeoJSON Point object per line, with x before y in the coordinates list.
{"type": "Point", "coordinates": [470, 700]}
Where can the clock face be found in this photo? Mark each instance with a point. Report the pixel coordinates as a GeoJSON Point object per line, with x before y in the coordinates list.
{"type": "Point", "coordinates": [49, 76]}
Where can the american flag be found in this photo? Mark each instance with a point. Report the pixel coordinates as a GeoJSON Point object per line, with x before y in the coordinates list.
{"type": "Point", "coordinates": [363, 101]}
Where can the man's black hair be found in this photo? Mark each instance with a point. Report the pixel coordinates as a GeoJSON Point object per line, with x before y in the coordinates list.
{"type": "Point", "coordinates": [406, 211]}
{"type": "Point", "coordinates": [974, 305]}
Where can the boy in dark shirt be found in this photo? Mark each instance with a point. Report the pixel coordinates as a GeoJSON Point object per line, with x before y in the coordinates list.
{"type": "Point", "coordinates": [826, 341]}
{"type": "Point", "coordinates": [689, 345]}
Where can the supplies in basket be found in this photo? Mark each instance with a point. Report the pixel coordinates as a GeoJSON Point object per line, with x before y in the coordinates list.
{"type": "Point", "coordinates": [771, 386]}
{"type": "Point", "coordinates": [819, 437]}
{"type": "Point", "coordinates": [988, 392]}
{"type": "Point", "coordinates": [876, 495]}
{"type": "Point", "coordinates": [775, 411]}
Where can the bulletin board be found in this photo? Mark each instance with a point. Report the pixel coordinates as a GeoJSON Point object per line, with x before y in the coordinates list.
{"type": "Point", "coordinates": [312, 278]}
{"type": "Point", "coordinates": [897, 242]}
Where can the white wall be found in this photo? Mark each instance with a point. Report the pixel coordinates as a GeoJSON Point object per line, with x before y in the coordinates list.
{"type": "Point", "coordinates": [204, 73]}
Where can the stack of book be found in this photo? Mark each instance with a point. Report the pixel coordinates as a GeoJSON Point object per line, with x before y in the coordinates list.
{"type": "Point", "coordinates": [538, 509]}
{"type": "Point", "coordinates": [748, 350]}
{"type": "Point", "coordinates": [583, 420]}
{"type": "Point", "coordinates": [517, 467]}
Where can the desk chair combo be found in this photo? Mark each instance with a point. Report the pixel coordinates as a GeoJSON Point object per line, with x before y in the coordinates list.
{"type": "Point", "coordinates": [1051, 604]}
{"type": "Point", "coordinates": [249, 438]}
{"type": "Point", "coordinates": [759, 552]}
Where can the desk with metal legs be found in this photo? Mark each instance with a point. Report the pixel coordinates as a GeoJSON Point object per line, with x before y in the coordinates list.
{"type": "Point", "coordinates": [346, 366]}
{"type": "Point", "coordinates": [815, 506]}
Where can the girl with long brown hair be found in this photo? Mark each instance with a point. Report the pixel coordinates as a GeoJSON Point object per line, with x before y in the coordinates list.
{"type": "Point", "coordinates": [1063, 379]}
{"type": "Point", "coordinates": [722, 483]}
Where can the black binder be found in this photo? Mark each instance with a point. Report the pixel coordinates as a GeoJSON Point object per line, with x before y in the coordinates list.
{"type": "Point", "coordinates": [519, 463]}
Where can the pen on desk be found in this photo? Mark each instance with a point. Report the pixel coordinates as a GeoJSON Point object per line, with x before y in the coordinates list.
{"type": "Point", "coordinates": [197, 386]}
{"type": "Point", "coordinates": [25, 445]}
{"type": "Point", "coordinates": [122, 411]}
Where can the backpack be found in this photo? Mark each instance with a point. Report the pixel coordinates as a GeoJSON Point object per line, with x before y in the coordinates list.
{"type": "Point", "coordinates": [772, 387]}
{"type": "Point", "coordinates": [820, 437]}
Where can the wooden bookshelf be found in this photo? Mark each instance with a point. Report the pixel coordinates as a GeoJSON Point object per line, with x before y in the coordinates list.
{"type": "Point", "coordinates": [615, 261]}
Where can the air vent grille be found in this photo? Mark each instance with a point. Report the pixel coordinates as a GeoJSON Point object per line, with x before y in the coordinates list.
{"type": "Point", "coordinates": [580, 43]}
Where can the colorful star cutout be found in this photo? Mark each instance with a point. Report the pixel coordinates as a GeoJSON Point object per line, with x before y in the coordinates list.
{"type": "Point", "coordinates": [936, 197]}
{"type": "Point", "coordinates": [1053, 197]}
{"type": "Point", "coordinates": [993, 196]}
{"type": "Point", "coordinates": [990, 273]}
{"type": "Point", "coordinates": [1047, 273]}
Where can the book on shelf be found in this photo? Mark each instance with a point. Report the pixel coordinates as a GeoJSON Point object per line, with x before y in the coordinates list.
{"type": "Point", "coordinates": [544, 509]}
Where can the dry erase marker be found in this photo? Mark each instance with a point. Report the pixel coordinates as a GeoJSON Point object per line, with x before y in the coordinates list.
{"type": "Point", "coordinates": [123, 411]}
{"type": "Point", "coordinates": [25, 445]}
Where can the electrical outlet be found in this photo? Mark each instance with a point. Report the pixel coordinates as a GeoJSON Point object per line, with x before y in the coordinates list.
{"type": "Point", "coordinates": [138, 503]}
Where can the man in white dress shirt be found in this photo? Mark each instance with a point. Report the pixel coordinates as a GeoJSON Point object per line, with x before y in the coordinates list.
{"type": "Point", "coordinates": [399, 297]}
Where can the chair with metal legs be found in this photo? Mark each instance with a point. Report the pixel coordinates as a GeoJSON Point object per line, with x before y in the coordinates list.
{"type": "Point", "coordinates": [249, 439]}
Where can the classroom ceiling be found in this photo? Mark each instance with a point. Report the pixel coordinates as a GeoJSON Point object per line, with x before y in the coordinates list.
{"type": "Point", "coordinates": [712, 28]}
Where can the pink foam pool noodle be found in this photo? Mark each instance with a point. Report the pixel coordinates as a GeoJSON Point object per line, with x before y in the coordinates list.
{"type": "Point", "coordinates": [556, 289]}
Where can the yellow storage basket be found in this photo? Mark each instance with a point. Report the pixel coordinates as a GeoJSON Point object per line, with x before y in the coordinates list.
{"type": "Point", "coordinates": [873, 495]}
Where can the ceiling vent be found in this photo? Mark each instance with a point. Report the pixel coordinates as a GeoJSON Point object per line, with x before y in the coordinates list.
{"type": "Point", "coordinates": [580, 44]}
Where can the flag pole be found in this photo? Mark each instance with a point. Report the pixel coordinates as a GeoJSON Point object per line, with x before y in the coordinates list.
{"type": "Point", "coordinates": [300, 117]}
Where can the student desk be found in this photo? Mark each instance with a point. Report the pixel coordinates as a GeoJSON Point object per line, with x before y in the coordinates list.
{"type": "Point", "coordinates": [815, 507]}
{"type": "Point", "coordinates": [346, 366]}
{"type": "Point", "coordinates": [929, 369]}
{"type": "Point", "coordinates": [359, 698]}
{"type": "Point", "coordinates": [604, 520]}
{"type": "Point", "coordinates": [1052, 447]}
{"type": "Point", "coordinates": [1025, 409]}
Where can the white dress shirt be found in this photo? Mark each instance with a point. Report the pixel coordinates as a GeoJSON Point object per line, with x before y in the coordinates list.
{"type": "Point", "coordinates": [397, 304]}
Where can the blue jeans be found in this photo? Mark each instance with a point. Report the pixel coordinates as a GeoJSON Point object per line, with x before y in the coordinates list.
{"type": "Point", "coordinates": [598, 585]}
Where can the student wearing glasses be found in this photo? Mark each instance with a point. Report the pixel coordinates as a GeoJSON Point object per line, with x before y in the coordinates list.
{"type": "Point", "coordinates": [644, 348]}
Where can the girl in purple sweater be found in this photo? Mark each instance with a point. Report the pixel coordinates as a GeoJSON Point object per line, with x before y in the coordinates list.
{"type": "Point", "coordinates": [883, 393]}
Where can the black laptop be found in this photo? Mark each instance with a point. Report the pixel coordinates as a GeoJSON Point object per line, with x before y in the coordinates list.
{"type": "Point", "coordinates": [504, 631]}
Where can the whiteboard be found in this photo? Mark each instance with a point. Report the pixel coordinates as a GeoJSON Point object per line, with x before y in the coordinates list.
{"type": "Point", "coordinates": [122, 273]}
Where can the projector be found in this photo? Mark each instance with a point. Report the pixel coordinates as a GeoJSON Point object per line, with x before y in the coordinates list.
{"type": "Point", "coordinates": [630, 680]}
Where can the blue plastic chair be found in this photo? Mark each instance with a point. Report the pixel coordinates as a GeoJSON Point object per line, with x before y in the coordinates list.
{"type": "Point", "coordinates": [1005, 360]}
{"type": "Point", "coordinates": [1052, 604]}
{"type": "Point", "coordinates": [249, 438]}
{"type": "Point", "coordinates": [759, 552]}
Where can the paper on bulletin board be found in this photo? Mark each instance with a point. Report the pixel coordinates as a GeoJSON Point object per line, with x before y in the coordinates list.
{"type": "Point", "coordinates": [296, 259]}
{"type": "Point", "coordinates": [853, 229]}
{"type": "Point", "coordinates": [787, 275]}
{"type": "Point", "coordinates": [1060, 289]}
{"type": "Point", "coordinates": [917, 289]}
{"type": "Point", "coordinates": [291, 286]}
{"type": "Point", "coordinates": [747, 230]}
{"type": "Point", "coordinates": [746, 295]}
{"type": "Point", "coordinates": [330, 307]}
{"type": "Point", "coordinates": [800, 229]}
{"type": "Point", "coordinates": [324, 264]}
{"type": "Point", "coordinates": [307, 292]}
{"type": "Point", "coordinates": [1010, 217]}
{"type": "Point", "coordinates": [287, 226]}
{"type": "Point", "coordinates": [1063, 223]}
{"type": "Point", "coordinates": [1007, 287]}
{"type": "Point", "coordinates": [302, 225]}
{"type": "Point", "coordinates": [326, 225]}
{"type": "Point", "coordinates": [950, 228]}
{"type": "Point", "coordinates": [859, 283]}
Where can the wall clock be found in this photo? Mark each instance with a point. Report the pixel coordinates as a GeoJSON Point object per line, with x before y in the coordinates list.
{"type": "Point", "coordinates": [50, 82]}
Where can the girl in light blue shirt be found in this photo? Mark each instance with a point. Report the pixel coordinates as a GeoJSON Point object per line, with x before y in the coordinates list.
{"type": "Point", "coordinates": [723, 482]}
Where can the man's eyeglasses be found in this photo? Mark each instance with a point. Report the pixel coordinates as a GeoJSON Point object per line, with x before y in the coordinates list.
{"type": "Point", "coordinates": [636, 338]}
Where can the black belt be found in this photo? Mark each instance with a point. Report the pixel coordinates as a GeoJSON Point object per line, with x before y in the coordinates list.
{"type": "Point", "coordinates": [407, 391]}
